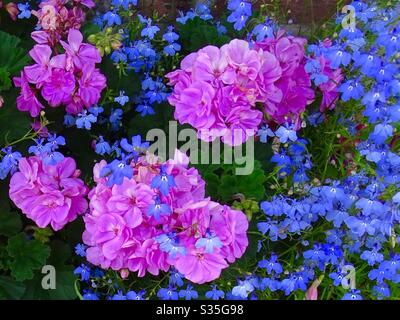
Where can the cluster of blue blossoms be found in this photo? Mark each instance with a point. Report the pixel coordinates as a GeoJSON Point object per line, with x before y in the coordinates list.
{"type": "Point", "coordinates": [363, 211]}
{"type": "Point", "coordinates": [338, 225]}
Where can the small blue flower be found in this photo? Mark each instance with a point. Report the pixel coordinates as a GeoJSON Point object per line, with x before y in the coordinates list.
{"type": "Point", "coordinates": [353, 295]}
{"type": "Point", "coordinates": [83, 271]}
{"type": "Point", "coordinates": [188, 293]}
{"type": "Point", "coordinates": [215, 293]}
{"type": "Point", "coordinates": [85, 120]}
{"type": "Point", "coordinates": [122, 99]}
{"type": "Point", "coordinates": [167, 294]}
{"type": "Point", "coordinates": [163, 182]}
{"type": "Point", "coordinates": [25, 12]}
{"type": "Point", "coordinates": [210, 242]}
{"type": "Point", "coordinates": [80, 250]}
{"type": "Point", "coordinates": [112, 18]}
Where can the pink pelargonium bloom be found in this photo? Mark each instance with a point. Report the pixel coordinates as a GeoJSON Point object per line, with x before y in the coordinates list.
{"type": "Point", "coordinates": [49, 195]}
{"type": "Point", "coordinates": [245, 61]}
{"type": "Point", "coordinates": [242, 122]}
{"type": "Point", "coordinates": [88, 3]}
{"type": "Point", "coordinates": [211, 64]}
{"type": "Point", "coordinates": [131, 200]}
{"type": "Point", "coordinates": [27, 100]}
{"type": "Point", "coordinates": [123, 233]}
{"type": "Point", "coordinates": [59, 87]}
{"type": "Point", "coordinates": [200, 267]}
{"type": "Point", "coordinates": [42, 70]}
{"type": "Point", "coordinates": [148, 257]}
{"type": "Point", "coordinates": [79, 53]}
{"type": "Point", "coordinates": [91, 84]}
{"type": "Point", "coordinates": [194, 105]}
{"type": "Point", "coordinates": [231, 227]}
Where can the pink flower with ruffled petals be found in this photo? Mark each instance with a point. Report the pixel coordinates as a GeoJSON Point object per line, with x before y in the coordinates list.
{"type": "Point", "coordinates": [131, 200]}
{"type": "Point", "coordinates": [200, 267]}
{"type": "Point", "coordinates": [148, 258]}
{"type": "Point", "coordinates": [195, 105]}
{"type": "Point", "coordinates": [90, 85]}
{"type": "Point", "coordinates": [27, 100]}
{"type": "Point", "coordinates": [49, 195]}
{"type": "Point", "coordinates": [78, 53]}
{"type": "Point", "coordinates": [59, 87]}
{"type": "Point", "coordinates": [42, 70]}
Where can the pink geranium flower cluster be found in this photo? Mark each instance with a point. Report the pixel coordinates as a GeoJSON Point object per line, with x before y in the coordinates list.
{"type": "Point", "coordinates": [137, 227]}
{"type": "Point", "coordinates": [229, 91]}
{"type": "Point", "coordinates": [49, 195]}
{"type": "Point", "coordinates": [69, 79]}
{"type": "Point", "coordinates": [57, 17]}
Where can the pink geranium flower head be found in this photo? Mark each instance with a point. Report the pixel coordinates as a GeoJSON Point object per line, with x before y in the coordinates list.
{"type": "Point", "coordinates": [79, 53]}
{"type": "Point", "coordinates": [59, 87]}
{"type": "Point", "coordinates": [200, 267]}
{"type": "Point", "coordinates": [122, 232]}
{"type": "Point", "coordinates": [195, 105]}
{"type": "Point", "coordinates": [91, 83]}
{"type": "Point", "coordinates": [49, 195]}
{"type": "Point", "coordinates": [42, 70]}
{"type": "Point", "coordinates": [27, 100]}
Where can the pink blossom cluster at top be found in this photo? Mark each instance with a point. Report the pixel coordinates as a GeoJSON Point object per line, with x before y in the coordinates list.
{"type": "Point", "coordinates": [65, 70]}
{"type": "Point", "coordinates": [230, 91]}
{"type": "Point", "coordinates": [49, 195]}
{"type": "Point", "coordinates": [122, 235]}
{"type": "Point", "coordinates": [57, 17]}
{"type": "Point", "coordinates": [69, 78]}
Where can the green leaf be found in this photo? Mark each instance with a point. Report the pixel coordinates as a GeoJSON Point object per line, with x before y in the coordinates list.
{"type": "Point", "coordinates": [14, 124]}
{"type": "Point", "coordinates": [10, 222]}
{"type": "Point", "coordinates": [65, 278]}
{"type": "Point", "coordinates": [11, 289]}
{"type": "Point", "coordinates": [26, 256]}
{"type": "Point", "coordinates": [12, 57]}
{"type": "Point", "coordinates": [196, 34]}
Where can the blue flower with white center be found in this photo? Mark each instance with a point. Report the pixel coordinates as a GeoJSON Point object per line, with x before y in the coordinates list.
{"type": "Point", "coordinates": [264, 133]}
{"type": "Point", "coordinates": [188, 293]}
{"type": "Point", "coordinates": [243, 289]}
{"type": "Point", "coordinates": [171, 49]}
{"type": "Point", "coordinates": [163, 182]}
{"type": "Point", "coordinates": [145, 109]}
{"type": "Point", "coordinates": [149, 30]}
{"type": "Point", "coordinates": [271, 265]}
{"type": "Point", "coordinates": [168, 294]}
{"type": "Point", "coordinates": [122, 99]}
{"type": "Point", "coordinates": [353, 295]}
{"type": "Point", "coordinates": [159, 209]}
{"type": "Point", "coordinates": [133, 295]}
{"type": "Point", "coordinates": [80, 250]}
{"type": "Point", "coordinates": [136, 148]}
{"type": "Point", "coordinates": [170, 36]}
{"type": "Point", "coordinates": [83, 271]}
{"type": "Point", "coordinates": [214, 293]}
{"type": "Point", "coordinates": [210, 242]}
{"type": "Point", "coordinates": [102, 147]}
{"type": "Point", "coordinates": [284, 134]}
{"type": "Point", "coordinates": [85, 120]}
{"type": "Point", "coordinates": [116, 171]}
{"type": "Point", "coordinates": [112, 18]}
{"type": "Point", "coordinates": [372, 257]}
